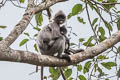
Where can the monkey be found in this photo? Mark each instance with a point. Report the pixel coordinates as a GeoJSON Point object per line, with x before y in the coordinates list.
{"type": "Point", "coordinates": [51, 34]}
{"type": "Point", "coordinates": [63, 31]}
{"type": "Point", "coordinates": [68, 50]}
{"type": "Point", "coordinates": [50, 39]}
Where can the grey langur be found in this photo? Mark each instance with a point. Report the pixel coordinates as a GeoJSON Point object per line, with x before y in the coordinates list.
{"type": "Point", "coordinates": [51, 39]}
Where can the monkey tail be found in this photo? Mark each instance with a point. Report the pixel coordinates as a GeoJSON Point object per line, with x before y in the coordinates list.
{"type": "Point", "coordinates": [61, 71]}
{"type": "Point", "coordinates": [42, 72]}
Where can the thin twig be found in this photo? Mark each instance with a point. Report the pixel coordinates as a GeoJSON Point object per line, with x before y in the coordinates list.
{"type": "Point", "coordinates": [91, 23]}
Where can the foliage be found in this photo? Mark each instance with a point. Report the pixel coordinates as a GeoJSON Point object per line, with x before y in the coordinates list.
{"type": "Point", "coordinates": [39, 19]}
{"type": "Point", "coordinates": [21, 1]}
{"type": "Point", "coordinates": [2, 27]}
{"type": "Point", "coordinates": [102, 26]}
{"type": "Point", "coordinates": [23, 42]}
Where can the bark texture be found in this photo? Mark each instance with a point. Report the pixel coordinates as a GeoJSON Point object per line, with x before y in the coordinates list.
{"type": "Point", "coordinates": [37, 59]}
{"type": "Point", "coordinates": [8, 54]}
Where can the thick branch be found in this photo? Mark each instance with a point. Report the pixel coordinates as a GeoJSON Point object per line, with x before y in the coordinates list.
{"type": "Point", "coordinates": [21, 26]}
{"type": "Point", "coordinates": [46, 5]}
{"type": "Point", "coordinates": [37, 59]}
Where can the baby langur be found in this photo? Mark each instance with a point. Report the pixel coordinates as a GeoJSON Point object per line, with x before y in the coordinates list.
{"type": "Point", "coordinates": [50, 40]}
{"type": "Point", "coordinates": [63, 31]}
{"type": "Point", "coordinates": [68, 50]}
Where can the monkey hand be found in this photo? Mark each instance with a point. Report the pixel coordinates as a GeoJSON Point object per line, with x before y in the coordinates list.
{"type": "Point", "coordinates": [66, 56]}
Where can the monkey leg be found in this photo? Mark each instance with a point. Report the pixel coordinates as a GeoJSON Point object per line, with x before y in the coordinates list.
{"type": "Point", "coordinates": [65, 56]}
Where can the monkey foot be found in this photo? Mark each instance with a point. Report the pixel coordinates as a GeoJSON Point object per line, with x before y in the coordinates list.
{"type": "Point", "coordinates": [67, 57]}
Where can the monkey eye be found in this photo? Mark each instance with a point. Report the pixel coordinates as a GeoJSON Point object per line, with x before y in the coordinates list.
{"type": "Point", "coordinates": [61, 17]}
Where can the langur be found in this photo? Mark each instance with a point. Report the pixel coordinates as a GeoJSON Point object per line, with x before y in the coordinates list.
{"type": "Point", "coordinates": [52, 39]}
{"type": "Point", "coordinates": [68, 50]}
{"type": "Point", "coordinates": [63, 31]}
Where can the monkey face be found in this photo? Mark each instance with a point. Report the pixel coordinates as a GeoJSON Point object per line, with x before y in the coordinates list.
{"type": "Point", "coordinates": [60, 19]}
{"type": "Point", "coordinates": [63, 30]}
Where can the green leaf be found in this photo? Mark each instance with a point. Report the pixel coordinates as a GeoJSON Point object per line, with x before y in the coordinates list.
{"type": "Point", "coordinates": [118, 73]}
{"type": "Point", "coordinates": [76, 9]}
{"type": "Point", "coordinates": [94, 21]}
{"type": "Point", "coordinates": [2, 26]}
{"type": "Point", "coordinates": [87, 67]}
{"type": "Point", "coordinates": [88, 43]}
{"type": "Point", "coordinates": [39, 18]}
{"type": "Point", "coordinates": [72, 44]}
{"type": "Point", "coordinates": [112, 64]}
{"type": "Point", "coordinates": [119, 49]}
{"type": "Point", "coordinates": [70, 78]}
{"type": "Point", "coordinates": [35, 35]}
{"type": "Point", "coordinates": [37, 28]}
{"type": "Point", "coordinates": [100, 71]}
{"type": "Point", "coordinates": [27, 34]}
{"type": "Point", "coordinates": [23, 42]}
{"type": "Point", "coordinates": [118, 12]}
{"type": "Point", "coordinates": [69, 16]}
{"type": "Point", "coordinates": [1, 38]}
{"type": "Point", "coordinates": [95, 67]}
{"type": "Point", "coordinates": [51, 69]}
{"type": "Point", "coordinates": [68, 73]}
{"type": "Point", "coordinates": [79, 68]}
{"type": "Point", "coordinates": [35, 47]}
{"type": "Point", "coordinates": [91, 5]}
{"type": "Point", "coordinates": [108, 25]}
{"type": "Point", "coordinates": [108, 65]}
{"type": "Point", "coordinates": [81, 77]}
{"type": "Point", "coordinates": [101, 30]}
{"type": "Point", "coordinates": [22, 1]}
{"type": "Point", "coordinates": [81, 20]}
{"type": "Point", "coordinates": [118, 24]}
{"type": "Point", "coordinates": [99, 0]}
{"type": "Point", "coordinates": [54, 73]}
{"type": "Point", "coordinates": [102, 57]}
{"type": "Point", "coordinates": [95, 27]}
{"type": "Point", "coordinates": [101, 38]}
{"type": "Point", "coordinates": [45, 77]}
{"type": "Point", "coordinates": [81, 39]}
{"type": "Point", "coordinates": [107, 6]}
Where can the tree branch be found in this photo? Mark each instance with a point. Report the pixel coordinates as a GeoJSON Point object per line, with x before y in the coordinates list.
{"type": "Point", "coordinates": [46, 5]}
{"type": "Point", "coordinates": [37, 59]}
{"type": "Point", "coordinates": [21, 26]}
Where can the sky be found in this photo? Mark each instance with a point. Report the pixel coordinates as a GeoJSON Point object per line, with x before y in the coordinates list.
{"type": "Point", "coordinates": [11, 15]}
